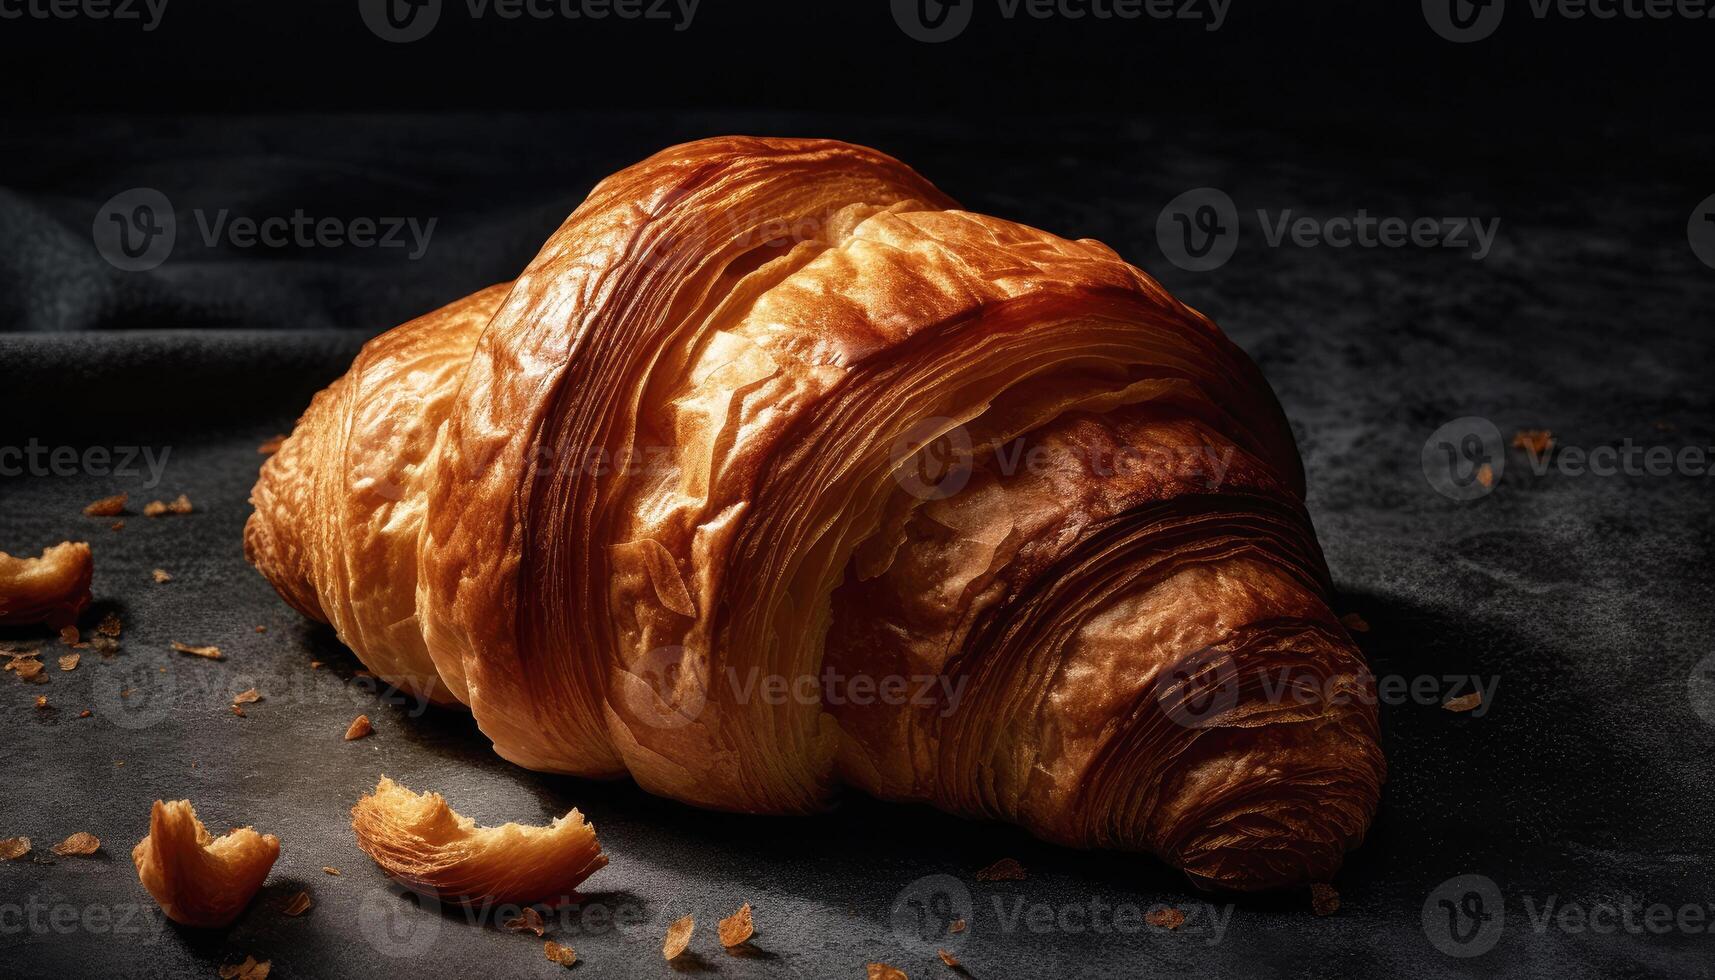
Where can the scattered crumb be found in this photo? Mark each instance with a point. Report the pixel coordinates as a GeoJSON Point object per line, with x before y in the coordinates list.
{"type": "Point", "coordinates": [107, 645]}
{"type": "Point", "coordinates": [315, 665]}
{"type": "Point", "coordinates": [13, 848]}
{"type": "Point", "coordinates": [161, 576]}
{"type": "Point", "coordinates": [271, 447]}
{"type": "Point", "coordinates": [299, 904]}
{"type": "Point", "coordinates": [1165, 918]}
{"type": "Point", "coordinates": [85, 713]}
{"type": "Point", "coordinates": [563, 955]}
{"type": "Point", "coordinates": [1324, 900]}
{"type": "Point", "coordinates": [947, 958]}
{"type": "Point", "coordinates": [332, 871]}
{"type": "Point", "coordinates": [110, 626]}
{"type": "Point", "coordinates": [1537, 442]}
{"type": "Point", "coordinates": [69, 661]}
{"type": "Point", "coordinates": [125, 693]}
{"type": "Point", "coordinates": [116, 526]}
{"type": "Point", "coordinates": [27, 669]}
{"type": "Point", "coordinates": [957, 926]}
{"type": "Point", "coordinates": [737, 928]}
{"type": "Point", "coordinates": [1464, 702]}
{"type": "Point", "coordinates": [1486, 475]}
{"type": "Point", "coordinates": [107, 506]}
{"type": "Point", "coordinates": [239, 711]}
{"type": "Point", "coordinates": [250, 696]}
{"type": "Point", "coordinates": [70, 636]}
{"type": "Point", "coordinates": [212, 653]}
{"type": "Point", "coordinates": [529, 920]}
{"type": "Point", "coordinates": [882, 971]}
{"type": "Point", "coordinates": [250, 969]}
{"type": "Point", "coordinates": [41, 702]}
{"type": "Point", "coordinates": [77, 845]}
{"type": "Point", "coordinates": [360, 727]}
{"type": "Point", "coordinates": [1006, 869]}
{"type": "Point", "coordinates": [678, 937]}
{"type": "Point", "coordinates": [156, 508]}
{"type": "Point", "coordinates": [261, 629]}
{"type": "Point", "coordinates": [1355, 623]}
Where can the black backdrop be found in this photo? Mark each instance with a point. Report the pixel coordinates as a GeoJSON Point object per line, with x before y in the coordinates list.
{"type": "Point", "coordinates": [1585, 598]}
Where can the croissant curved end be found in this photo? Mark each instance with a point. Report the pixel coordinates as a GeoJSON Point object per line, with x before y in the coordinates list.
{"type": "Point", "coordinates": [776, 472]}
{"type": "Point", "coordinates": [424, 845]}
{"type": "Point", "coordinates": [200, 880]}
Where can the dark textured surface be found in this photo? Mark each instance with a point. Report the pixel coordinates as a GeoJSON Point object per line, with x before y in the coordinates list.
{"type": "Point", "coordinates": [1583, 600]}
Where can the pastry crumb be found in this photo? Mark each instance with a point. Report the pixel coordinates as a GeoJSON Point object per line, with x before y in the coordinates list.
{"type": "Point", "coordinates": [107, 506]}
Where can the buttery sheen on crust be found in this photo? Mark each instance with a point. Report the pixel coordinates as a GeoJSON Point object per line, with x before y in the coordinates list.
{"type": "Point", "coordinates": [424, 845]}
{"type": "Point", "coordinates": [773, 414]}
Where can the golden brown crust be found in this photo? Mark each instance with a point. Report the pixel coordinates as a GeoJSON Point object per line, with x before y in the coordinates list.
{"type": "Point", "coordinates": [200, 880]}
{"type": "Point", "coordinates": [52, 589]}
{"type": "Point", "coordinates": [681, 456]}
{"type": "Point", "coordinates": [424, 845]}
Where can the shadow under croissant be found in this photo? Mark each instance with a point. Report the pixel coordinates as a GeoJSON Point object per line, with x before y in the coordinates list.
{"type": "Point", "coordinates": [1470, 791]}
{"type": "Point", "coordinates": [1434, 755]}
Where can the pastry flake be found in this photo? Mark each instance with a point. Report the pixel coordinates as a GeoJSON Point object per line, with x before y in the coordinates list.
{"type": "Point", "coordinates": [678, 937]}
{"type": "Point", "coordinates": [80, 844]}
{"type": "Point", "coordinates": [199, 880]}
{"type": "Point", "coordinates": [206, 652]}
{"type": "Point", "coordinates": [737, 928]}
{"type": "Point", "coordinates": [427, 847]}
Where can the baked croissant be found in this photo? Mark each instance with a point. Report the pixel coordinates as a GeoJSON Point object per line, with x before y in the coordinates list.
{"type": "Point", "coordinates": [774, 471]}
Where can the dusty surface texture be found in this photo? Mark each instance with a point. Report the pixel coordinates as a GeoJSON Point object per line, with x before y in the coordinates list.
{"type": "Point", "coordinates": [1580, 601]}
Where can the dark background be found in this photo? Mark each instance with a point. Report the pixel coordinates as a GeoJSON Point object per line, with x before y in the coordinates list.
{"type": "Point", "coordinates": [1586, 599]}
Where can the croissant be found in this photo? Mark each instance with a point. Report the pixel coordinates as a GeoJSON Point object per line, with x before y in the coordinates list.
{"type": "Point", "coordinates": [775, 472]}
